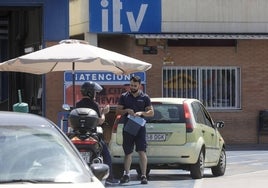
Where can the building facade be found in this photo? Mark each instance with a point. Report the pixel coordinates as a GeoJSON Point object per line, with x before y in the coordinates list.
{"type": "Point", "coordinates": [211, 50]}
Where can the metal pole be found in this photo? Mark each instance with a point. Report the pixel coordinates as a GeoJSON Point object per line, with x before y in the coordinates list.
{"type": "Point", "coordinates": [73, 85]}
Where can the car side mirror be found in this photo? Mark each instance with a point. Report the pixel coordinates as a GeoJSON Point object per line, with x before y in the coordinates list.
{"type": "Point", "coordinates": [101, 171]}
{"type": "Point", "coordinates": [220, 124]}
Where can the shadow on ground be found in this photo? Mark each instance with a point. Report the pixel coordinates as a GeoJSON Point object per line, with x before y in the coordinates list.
{"type": "Point", "coordinates": [239, 147]}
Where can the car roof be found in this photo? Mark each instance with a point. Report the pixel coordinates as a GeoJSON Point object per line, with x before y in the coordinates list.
{"type": "Point", "coordinates": [20, 118]}
{"type": "Point", "coordinates": [172, 100]}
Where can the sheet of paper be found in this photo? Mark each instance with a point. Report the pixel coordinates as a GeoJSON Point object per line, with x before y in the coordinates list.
{"type": "Point", "coordinates": [137, 119]}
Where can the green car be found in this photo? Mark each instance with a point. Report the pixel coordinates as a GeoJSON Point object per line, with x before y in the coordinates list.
{"type": "Point", "coordinates": [181, 135]}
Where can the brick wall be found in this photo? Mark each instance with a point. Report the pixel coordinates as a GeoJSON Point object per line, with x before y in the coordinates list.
{"type": "Point", "coordinates": [54, 92]}
{"type": "Point", "coordinates": [251, 55]}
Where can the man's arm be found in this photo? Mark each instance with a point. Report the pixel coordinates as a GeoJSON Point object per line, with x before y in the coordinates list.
{"type": "Point", "coordinates": [149, 112]}
{"type": "Point", "coordinates": [101, 119]}
{"type": "Point", "coordinates": [103, 111]}
{"type": "Point", "coordinates": [121, 111]}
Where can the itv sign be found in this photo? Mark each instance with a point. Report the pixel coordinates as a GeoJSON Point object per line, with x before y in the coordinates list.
{"type": "Point", "coordinates": [125, 16]}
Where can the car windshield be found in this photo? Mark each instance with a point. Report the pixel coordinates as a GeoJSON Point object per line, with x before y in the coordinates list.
{"type": "Point", "coordinates": [167, 113]}
{"type": "Point", "coordinates": [38, 154]}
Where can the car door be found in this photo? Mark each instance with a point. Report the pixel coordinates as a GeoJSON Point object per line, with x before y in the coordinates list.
{"type": "Point", "coordinates": [212, 136]}
{"type": "Point", "coordinates": [208, 133]}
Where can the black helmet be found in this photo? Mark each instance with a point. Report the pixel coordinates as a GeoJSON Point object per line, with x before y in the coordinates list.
{"type": "Point", "coordinates": [89, 89]}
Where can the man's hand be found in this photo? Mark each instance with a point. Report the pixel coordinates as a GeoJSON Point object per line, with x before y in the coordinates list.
{"type": "Point", "coordinates": [105, 109]}
{"type": "Point", "coordinates": [130, 111]}
{"type": "Point", "coordinates": [138, 114]}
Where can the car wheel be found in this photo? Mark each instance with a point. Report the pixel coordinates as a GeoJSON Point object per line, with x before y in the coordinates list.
{"type": "Point", "coordinates": [118, 170]}
{"type": "Point", "coordinates": [219, 170]}
{"type": "Point", "coordinates": [197, 169]}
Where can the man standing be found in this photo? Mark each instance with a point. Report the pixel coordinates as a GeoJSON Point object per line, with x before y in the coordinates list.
{"type": "Point", "coordinates": [89, 90]}
{"type": "Point", "coordinates": [135, 103]}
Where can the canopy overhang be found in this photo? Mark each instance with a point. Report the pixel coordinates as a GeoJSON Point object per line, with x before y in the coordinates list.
{"type": "Point", "coordinates": [202, 36]}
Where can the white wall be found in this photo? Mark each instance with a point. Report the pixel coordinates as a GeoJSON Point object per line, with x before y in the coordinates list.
{"type": "Point", "coordinates": [79, 20]}
{"type": "Point", "coordinates": [215, 16]}
{"type": "Point", "coordinates": [193, 16]}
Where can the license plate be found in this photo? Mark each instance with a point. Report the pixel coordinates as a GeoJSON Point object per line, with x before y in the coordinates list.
{"type": "Point", "coordinates": [156, 137]}
{"type": "Point", "coordinates": [86, 156]}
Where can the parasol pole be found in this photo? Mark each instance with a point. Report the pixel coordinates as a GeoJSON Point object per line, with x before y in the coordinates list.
{"type": "Point", "coordinates": [19, 93]}
{"type": "Point", "coordinates": [73, 85]}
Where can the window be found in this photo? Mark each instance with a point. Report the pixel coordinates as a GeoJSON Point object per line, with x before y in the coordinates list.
{"type": "Point", "coordinates": [216, 87]}
{"type": "Point", "coordinates": [167, 113]}
{"type": "Point", "coordinates": [198, 113]}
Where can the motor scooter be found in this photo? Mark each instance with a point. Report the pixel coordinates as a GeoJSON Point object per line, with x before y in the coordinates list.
{"type": "Point", "coordinates": [85, 134]}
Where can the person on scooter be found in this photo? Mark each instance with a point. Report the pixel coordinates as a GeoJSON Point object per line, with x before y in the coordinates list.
{"type": "Point", "coordinates": [88, 91]}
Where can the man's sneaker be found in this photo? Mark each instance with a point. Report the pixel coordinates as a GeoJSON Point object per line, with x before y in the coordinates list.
{"type": "Point", "coordinates": [124, 179]}
{"type": "Point", "coordinates": [111, 182]}
{"type": "Point", "coordinates": [144, 180]}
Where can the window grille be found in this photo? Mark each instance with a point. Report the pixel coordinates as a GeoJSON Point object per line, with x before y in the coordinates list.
{"type": "Point", "coordinates": [216, 87]}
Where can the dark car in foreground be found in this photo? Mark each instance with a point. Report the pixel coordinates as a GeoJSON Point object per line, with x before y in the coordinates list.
{"type": "Point", "coordinates": [35, 151]}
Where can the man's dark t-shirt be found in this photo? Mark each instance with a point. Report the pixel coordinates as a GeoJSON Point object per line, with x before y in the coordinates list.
{"type": "Point", "coordinates": [138, 103]}
{"type": "Point", "coordinates": [88, 103]}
